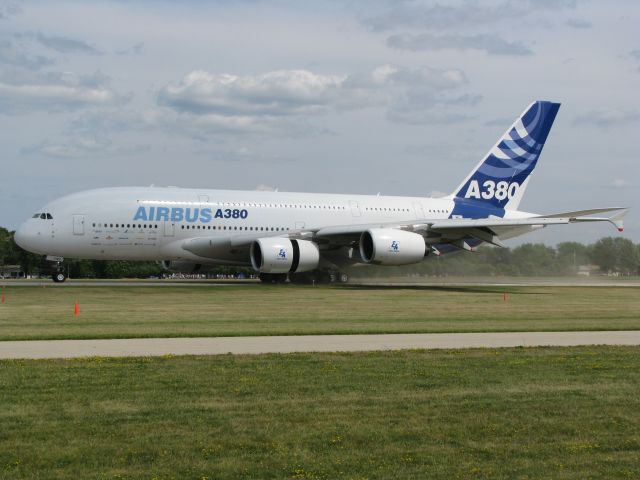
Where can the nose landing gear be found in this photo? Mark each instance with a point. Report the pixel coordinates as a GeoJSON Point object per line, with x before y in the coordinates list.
{"type": "Point", "coordinates": [57, 269]}
{"type": "Point", "coordinates": [58, 277]}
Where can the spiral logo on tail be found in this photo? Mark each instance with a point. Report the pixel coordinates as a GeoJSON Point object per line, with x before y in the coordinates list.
{"type": "Point", "coordinates": [518, 150]}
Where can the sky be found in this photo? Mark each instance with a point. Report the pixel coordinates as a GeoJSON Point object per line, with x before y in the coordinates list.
{"type": "Point", "coordinates": [365, 97]}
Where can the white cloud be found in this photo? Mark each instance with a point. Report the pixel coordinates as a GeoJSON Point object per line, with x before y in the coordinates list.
{"type": "Point", "coordinates": [64, 44]}
{"type": "Point", "coordinates": [83, 147]}
{"type": "Point", "coordinates": [489, 43]}
{"type": "Point", "coordinates": [282, 92]}
{"type": "Point", "coordinates": [14, 56]}
{"type": "Point", "coordinates": [279, 99]}
{"type": "Point", "coordinates": [578, 23]}
{"type": "Point", "coordinates": [608, 118]}
{"type": "Point", "coordinates": [465, 14]}
{"type": "Point", "coordinates": [55, 91]}
{"type": "Point", "coordinates": [620, 183]}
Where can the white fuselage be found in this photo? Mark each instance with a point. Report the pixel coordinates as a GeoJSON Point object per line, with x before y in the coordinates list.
{"type": "Point", "coordinates": [150, 223]}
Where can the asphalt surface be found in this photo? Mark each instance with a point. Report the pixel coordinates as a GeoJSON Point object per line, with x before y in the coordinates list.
{"type": "Point", "coordinates": [143, 347]}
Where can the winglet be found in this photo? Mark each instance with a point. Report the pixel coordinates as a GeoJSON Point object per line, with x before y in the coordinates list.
{"type": "Point", "coordinates": [617, 219]}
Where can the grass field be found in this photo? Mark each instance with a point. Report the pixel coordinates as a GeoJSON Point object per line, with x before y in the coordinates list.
{"type": "Point", "coordinates": [113, 312]}
{"type": "Point", "coordinates": [514, 413]}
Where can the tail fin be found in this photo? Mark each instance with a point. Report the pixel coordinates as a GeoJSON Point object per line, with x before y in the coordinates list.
{"type": "Point", "coordinates": [502, 176]}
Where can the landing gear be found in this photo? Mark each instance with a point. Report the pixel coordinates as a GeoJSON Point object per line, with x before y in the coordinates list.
{"type": "Point", "coordinates": [319, 277]}
{"type": "Point", "coordinates": [273, 277]}
{"type": "Point", "coordinates": [315, 277]}
{"type": "Point", "coordinates": [58, 277]}
{"type": "Point", "coordinates": [57, 269]}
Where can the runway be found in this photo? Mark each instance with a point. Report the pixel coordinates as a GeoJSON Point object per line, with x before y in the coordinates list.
{"type": "Point", "coordinates": [425, 283]}
{"type": "Point", "coordinates": [144, 347]}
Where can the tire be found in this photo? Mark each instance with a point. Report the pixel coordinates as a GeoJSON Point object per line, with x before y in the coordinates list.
{"type": "Point", "coordinates": [59, 277]}
{"type": "Point", "coordinates": [343, 277]}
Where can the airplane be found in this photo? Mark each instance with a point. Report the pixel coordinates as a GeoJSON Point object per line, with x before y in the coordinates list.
{"type": "Point", "coordinates": [304, 237]}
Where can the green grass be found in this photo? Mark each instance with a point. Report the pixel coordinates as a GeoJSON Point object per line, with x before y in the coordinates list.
{"type": "Point", "coordinates": [512, 413]}
{"type": "Point", "coordinates": [116, 312]}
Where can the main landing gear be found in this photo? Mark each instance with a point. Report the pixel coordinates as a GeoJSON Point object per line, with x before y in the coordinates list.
{"type": "Point", "coordinates": [315, 277]}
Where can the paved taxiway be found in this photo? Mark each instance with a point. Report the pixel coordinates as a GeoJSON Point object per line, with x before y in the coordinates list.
{"type": "Point", "coordinates": [458, 282]}
{"type": "Point", "coordinates": [305, 343]}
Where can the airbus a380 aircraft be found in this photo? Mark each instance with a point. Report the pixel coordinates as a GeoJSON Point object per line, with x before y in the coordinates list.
{"type": "Point", "coordinates": [303, 235]}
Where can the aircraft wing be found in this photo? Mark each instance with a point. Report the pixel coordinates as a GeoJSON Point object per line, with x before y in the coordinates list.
{"type": "Point", "coordinates": [451, 230]}
{"type": "Point", "coordinates": [455, 230]}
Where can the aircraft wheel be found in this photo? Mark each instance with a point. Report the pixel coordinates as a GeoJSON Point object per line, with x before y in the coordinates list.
{"type": "Point", "coordinates": [343, 277]}
{"type": "Point", "coordinates": [59, 277]}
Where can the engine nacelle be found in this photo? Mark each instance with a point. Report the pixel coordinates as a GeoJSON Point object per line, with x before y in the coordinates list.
{"type": "Point", "coordinates": [388, 246]}
{"type": "Point", "coordinates": [282, 255]}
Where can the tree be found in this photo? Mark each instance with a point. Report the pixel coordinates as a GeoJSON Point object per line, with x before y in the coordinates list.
{"type": "Point", "coordinates": [616, 255]}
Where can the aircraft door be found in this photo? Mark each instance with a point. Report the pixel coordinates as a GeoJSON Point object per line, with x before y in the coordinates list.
{"type": "Point", "coordinates": [78, 224]}
{"type": "Point", "coordinates": [355, 208]}
{"type": "Point", "coordinates": [417, 207]}
{"type": "Point", "coordinates": [169, 229]}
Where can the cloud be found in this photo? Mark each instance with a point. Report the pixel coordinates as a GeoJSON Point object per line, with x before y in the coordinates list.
{"type": "Point", "coordinates": [284, 99]}
{"type": "Point", "coordinates": [412, 15]}
{"type": "Point", "coordinates": [467, 14]}
{"type": "Point", "coordinates": [9, 9]}
{"type": "Point", "coordinates": [83, 147]}
{"type": "Point", "coordinates": [577, 23]}
{"type": "Point", "coordinates": [25, 92]}
{"type": "Point", "coordinates": [491, 44]}
{"type": "Point", "coordinates": [499, 122]}
{"type": "Point", "coordinates": [133, 50]}
{"type": "Point", "coordinates": [608, 118]}
{"type": "Point", "coordinates": [66, 45]}
{"type": "Point", "coordinates": [11, 54]}
{"type": "Point", "coordinates": [282, 92]}
{"type": "Point", "coordinates": [619, 183]}
{"type": "Point", "coordinates": [265, 188]}
{"type": "Point", "coordinates": [417, 108]}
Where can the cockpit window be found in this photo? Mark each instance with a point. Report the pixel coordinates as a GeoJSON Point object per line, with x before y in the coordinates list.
{"type": "Point", "coordinates": [36, 215]}
{"type": "Point", "coordinates": [49, 216]}
{"type": "Point", "coordinates": [43, 216]}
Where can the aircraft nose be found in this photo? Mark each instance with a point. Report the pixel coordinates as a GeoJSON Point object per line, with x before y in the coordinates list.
{"type": "Point", "coordinates": [26, 238]}
{"type": "Point", "coordinates": [20, 237]}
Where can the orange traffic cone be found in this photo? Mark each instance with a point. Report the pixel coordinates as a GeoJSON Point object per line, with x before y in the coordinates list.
{"type": "Point", "coordinates": [76, 309]}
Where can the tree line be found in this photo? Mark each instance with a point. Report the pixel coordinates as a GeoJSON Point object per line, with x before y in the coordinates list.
{"type": "Point", "coordinates": [612, 255]}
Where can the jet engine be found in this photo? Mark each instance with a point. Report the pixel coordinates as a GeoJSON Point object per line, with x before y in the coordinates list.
{"type": "Point", "coordinates": [282, 255]}
{"type": "Point", "coordinates": [388, 246]}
